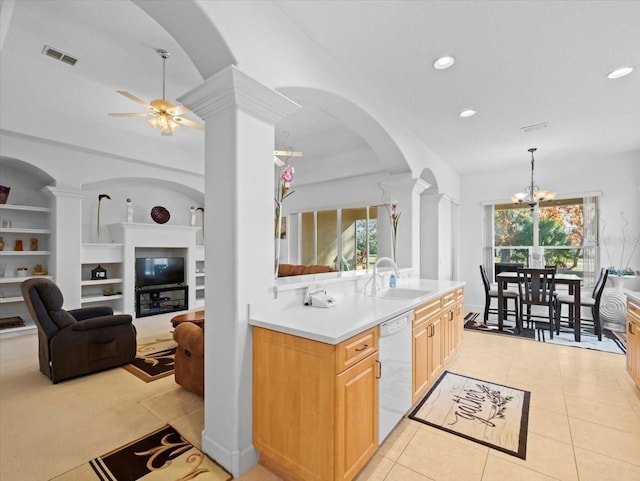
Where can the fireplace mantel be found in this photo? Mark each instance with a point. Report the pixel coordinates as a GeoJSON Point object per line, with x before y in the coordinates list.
{"type": "Point", "coordinates": [133, 235]}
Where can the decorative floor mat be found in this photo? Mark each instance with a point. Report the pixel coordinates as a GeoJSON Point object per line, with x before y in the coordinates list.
{"type": "Point", "coordinates": [487, 413]}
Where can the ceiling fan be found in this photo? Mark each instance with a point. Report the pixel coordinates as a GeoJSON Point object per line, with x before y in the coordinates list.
{"type": "Point", "coordinates": [164, 115]}
{"type": "Point", "coordinates": [286, 154]}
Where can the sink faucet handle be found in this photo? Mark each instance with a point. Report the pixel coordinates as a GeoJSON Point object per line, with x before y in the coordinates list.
{"type": "Point", "coordinates": [311, 290]}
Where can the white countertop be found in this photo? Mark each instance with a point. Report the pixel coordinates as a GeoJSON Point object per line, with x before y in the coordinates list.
{"type": "Point", "coordinates": [350, 315]}
{"type": "Point", "coordinates": [634, 296]}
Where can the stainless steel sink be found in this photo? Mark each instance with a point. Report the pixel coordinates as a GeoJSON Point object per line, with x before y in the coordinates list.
{"type": "Point", "coordinates": [402, 293]}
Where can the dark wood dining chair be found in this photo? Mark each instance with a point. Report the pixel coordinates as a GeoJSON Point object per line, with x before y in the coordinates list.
{"type": "Point", "coordinates": [592, 302]}
{"type": "Point", "coordinates": [491, 292]}
{"type": "Point", "coordinates": [536, 288]}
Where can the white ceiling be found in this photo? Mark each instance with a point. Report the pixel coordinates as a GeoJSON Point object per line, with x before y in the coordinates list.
{"type": "Point", "coordinates": [518, 63]}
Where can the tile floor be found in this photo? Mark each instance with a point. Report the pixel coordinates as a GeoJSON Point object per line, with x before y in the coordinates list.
{"type": "Point", "coordinates": [584, 420]}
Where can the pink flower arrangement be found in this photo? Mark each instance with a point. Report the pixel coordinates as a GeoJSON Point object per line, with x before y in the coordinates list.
{"type": "Point", "coordinates": [394, 217]}
{"type": "Point", "coordinates": [284, 184]}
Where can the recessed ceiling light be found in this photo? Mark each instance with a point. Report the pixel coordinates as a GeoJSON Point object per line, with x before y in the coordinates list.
{"type": "Point", "coordinates": [467, 113]}
{"type": "Point", "coordinates": [620, 72]}
{"type": "Point", "coordinates": [443, 62]}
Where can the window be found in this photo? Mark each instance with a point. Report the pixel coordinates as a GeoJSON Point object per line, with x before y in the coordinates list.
{"type": "Point", "coordinates": [563, 232]}
{"type": "Point", "coordinates": [353, 246]}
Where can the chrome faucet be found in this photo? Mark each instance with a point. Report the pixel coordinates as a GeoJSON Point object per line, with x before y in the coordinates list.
{"type": "Point", "coordinates": [374, 277]}
{"type": "Point", "coordinates": [311, 290]}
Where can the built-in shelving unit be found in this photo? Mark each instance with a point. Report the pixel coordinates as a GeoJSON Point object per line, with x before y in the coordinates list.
{"type": "Point", "coordinates": [104, 291]}
{"type": "Point", "coordinates": [28, 224]}
{"type": "Point", "coordinates": [200, 276]}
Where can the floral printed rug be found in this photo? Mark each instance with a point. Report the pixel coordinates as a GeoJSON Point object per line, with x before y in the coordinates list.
{"type": "Point", "coordinates": [163, 454]}
{"type": "Point", "coordinates": [155, 358]}
{"type": "Point", "coordinates": [487, 413]}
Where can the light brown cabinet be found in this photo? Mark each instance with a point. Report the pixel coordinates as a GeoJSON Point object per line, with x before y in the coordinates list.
{"type": "Point", "coordinates": [633, 341]}
{"type": "Point", "coordinates": [437, 333]}
{"type": "Point", "coordinates": [428, 340]}
{"type": "Point", "coordinates": [315, 405]}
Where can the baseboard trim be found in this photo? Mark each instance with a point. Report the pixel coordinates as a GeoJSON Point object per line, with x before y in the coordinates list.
{"type": "Point", "coordinates": [236, 462]}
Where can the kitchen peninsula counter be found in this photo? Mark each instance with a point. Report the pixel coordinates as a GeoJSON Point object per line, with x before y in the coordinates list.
{"type": "Point", "coordinates": [350, 315]}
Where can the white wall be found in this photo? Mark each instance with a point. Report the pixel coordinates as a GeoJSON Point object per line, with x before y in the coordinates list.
{"type": "Point", "coordinates": [618, 178]}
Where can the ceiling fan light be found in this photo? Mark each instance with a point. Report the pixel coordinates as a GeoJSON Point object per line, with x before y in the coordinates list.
{"type": "Point", "coordinates": [153, 121]}
{"type": "Point", "coordinates": [173, 125]}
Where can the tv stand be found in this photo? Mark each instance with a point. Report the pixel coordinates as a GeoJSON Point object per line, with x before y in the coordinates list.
{"type": "Point", "coordinates": [158, 300]}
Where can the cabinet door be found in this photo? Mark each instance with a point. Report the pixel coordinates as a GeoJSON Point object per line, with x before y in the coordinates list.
{"type": "Point", "coordinates": [356, 417]}
{"type": "Point", "coordinates": [420, 359]}
{"type": "Point", "coordinates": [435, 347]}
{"type": "Point", "coordinates": [632, 343]}
{"type": "Point", "coordinates": [459, 323]}
{"type": "Point", "coordinates": [636, 354]}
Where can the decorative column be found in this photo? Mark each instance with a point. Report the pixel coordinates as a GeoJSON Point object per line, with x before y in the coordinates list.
{"type": "Point", "coordinates": [66, 239]}
{"type": "Point", "coordinates": [240, 115]}
{"type": "Point", "coordinates": [438, 243]}
{"type": "Point", "coordinates": [406, 192]}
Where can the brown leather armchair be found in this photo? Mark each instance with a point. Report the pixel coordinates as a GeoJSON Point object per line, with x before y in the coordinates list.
{"type": "Point", "coordinates": [80, 341]}
{"type": "Point", "coordinates": [189, 361]}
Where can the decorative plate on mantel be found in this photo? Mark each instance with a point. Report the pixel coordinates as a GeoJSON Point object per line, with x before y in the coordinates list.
{"type": "Point", "coordinates": [160, 215]}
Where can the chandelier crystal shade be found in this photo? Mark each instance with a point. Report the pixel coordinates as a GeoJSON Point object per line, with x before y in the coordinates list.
{"type": "Point", "coordinates": [532, 194]}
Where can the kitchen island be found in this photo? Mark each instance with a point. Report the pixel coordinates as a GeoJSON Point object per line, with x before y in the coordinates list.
{"type": "Point", "coordinates": [633, 335]}
{"type": "Point", "coordinates": [316, 373]}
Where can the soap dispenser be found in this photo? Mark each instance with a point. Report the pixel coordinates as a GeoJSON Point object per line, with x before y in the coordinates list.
{"type": "Point", "coordinates": [392, 280]}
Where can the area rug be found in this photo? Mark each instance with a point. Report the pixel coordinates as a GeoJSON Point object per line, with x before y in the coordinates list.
{"type": "Point", "coordinates": [154, 358]}
{"type": "Point", "coordinates": [161, 455]}
{"type": "Point", "coordinates": [611, 342]}
{"type": "Point", "coordinates": [490, 414]}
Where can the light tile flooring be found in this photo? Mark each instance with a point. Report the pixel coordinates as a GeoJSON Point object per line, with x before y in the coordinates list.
{"type": "Point", "coordinates": [584, 420]}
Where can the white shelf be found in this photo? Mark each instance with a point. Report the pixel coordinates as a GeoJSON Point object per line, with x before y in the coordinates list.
{"type": "Point", "coordinates": [19, 280]}
{"type": "Point", "coordinates": [25, 253]}
{"type": "Point", "coordinates": [88, 300]}
{"type": "Point", "coordinates": [200, 274]}
{"type": "Point", "coordinates": [10, 300]}
{"type": "Point", "coordinates": [29, 208]}
{"type": "Point", "coordinates": [199, 288]}
{"type": "Point", "coordinates": [22, 230]}
{"type": "Point", "coordinates": [17, 331]}
{"type": "Point", "coordinates": [102, 253]}
{"type": "Point", "coordinates": [100, 282]}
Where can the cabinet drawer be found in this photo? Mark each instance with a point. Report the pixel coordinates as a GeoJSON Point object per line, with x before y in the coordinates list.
{"type": "Point", "coordinates": [448, 299]}
{"type": "Point", "coordinates": [459, 293]}
{"type": "Point", "coordinates": [356, 348]}
{"type": "Point", "coordinates": [426, 310]}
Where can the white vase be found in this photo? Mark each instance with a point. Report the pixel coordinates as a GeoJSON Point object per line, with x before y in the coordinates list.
{"type": "Point", "coordinates": [613, 306]}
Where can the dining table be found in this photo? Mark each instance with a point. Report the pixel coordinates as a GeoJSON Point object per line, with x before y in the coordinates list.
{"type": "Point", "coordinates": [572, 280]}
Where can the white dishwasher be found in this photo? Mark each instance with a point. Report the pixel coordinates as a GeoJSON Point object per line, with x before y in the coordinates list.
{"type": "Point", "coordinates": [394, 386]}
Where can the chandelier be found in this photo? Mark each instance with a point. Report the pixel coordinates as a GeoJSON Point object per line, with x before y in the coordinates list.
{"type": "Point", "coordinates": [532, 194]}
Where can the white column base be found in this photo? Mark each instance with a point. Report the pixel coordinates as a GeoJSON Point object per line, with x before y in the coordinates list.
{"type": "Point", "coordinates": [236, 462]}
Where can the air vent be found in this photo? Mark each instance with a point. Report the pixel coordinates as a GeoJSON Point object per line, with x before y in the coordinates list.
{"type": "Point", "coordinates": [531, 128]}
{"type": "Point", "coordinates": [58, 55]}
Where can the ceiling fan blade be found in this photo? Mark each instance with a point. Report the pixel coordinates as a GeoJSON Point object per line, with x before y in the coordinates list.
{"type": "Point", "coordinates": [178, 110]}
{"type": "Point", "coordinates": [189, 123]}
{"type": "Point", "coordinates": [136, 99]}
{"type": "Point", "coordinates": [287, 153]}
{"type": "Point", "coordinates": [130, 115]}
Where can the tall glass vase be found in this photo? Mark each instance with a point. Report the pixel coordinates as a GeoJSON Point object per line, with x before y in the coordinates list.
{"type": "Point", "coordinates": [394, 246]}
{"type": "Point", "coordinates": [277, 229]}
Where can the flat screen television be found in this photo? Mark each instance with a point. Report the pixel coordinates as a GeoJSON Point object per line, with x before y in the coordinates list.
{"type": "Point", "coordinates": [156, 271]}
